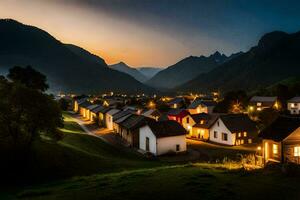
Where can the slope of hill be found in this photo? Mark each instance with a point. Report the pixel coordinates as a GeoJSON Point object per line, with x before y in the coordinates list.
{"type": "Point", "coordinates": [85, 54]}
{"type": "Point", "coordinates": [149, 72]}
{"type": "Point", "coordinates": [276, 57]}
{"type": "Point", "coordinates": [67, 70]}
{"type": "Point", "coordinates": [123, 67]}
{"type": "Point", "coordinates": [185, 70]}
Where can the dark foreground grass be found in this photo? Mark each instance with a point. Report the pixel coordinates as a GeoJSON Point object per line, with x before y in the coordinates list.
{"type": "Point", "coordinates": [204, 181]}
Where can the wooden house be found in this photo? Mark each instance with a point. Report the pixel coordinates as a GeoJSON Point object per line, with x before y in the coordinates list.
{"type": "Point", "coordinates": [102, 116]}
{"type": "Point", "coordinates": [281, 141]}
{"type": "Point", "coordinates": [88, 110]}
{"type": "Point", "coordinates": [120, 117]}
{"type": "Point", "coordinates": [129, 129]}
{"type": "Point", "coordinates": [83, 108]}
{"type": "Point", "coordinates": [77, 103]}
{"type": "Point", "coordinates": [109, 118]}
{"type": "Point", "coordinates": [162, 137]}
{"type": "Point", "coordinates": [152, 113]}
{"type": "Point", "coordinates": [201, 106]}
{"type": "Point", "coordinates": [293, 105]}
{"type": "Point", "coordinates": [233, 129]}
{"type": "Point", "coordinates": [95, 112]}
{"type": "Point", "coordinates": [201, 130]}
{"type": "Point", "coordinates": [258, 103]}
{"type": "Point", "coordinates": [176, 103]}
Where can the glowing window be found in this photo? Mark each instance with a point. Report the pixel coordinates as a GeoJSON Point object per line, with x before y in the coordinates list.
{"type": "Point", "coordinates": [245, 134]}
{"type": "Point", "coordinates": [242, 141]}
{"type": "Point", "coordinates": [239, 135]}
{"type": "Point", "coordinates": [258, 109]}
{"type": "Point", "coordinates": [249, 141]}
{"type": "Point", "coordinates": [275, 149]}
{"type": "Point", "coordinates": [258, 104]}
{"type": "Point", "coordinates": [297, 151]}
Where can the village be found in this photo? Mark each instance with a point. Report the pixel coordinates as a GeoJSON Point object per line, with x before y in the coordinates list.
{"type": "Point", "coordinates": [158, 126]}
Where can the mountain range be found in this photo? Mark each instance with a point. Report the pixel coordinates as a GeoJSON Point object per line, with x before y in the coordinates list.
{"type": "Point", "coordinates": [68, 68]}
{"type": "Point", "coordinates": [149, 72]}
{"type": "Point", "coordinates": [187, 69]}
{"type": "Point", "coordinates": [122, 67]}
{"type": "Point", "coordinates": [275, 58]}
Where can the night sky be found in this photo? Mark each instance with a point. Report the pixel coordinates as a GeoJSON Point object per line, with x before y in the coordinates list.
{"type": "Point", "coordinates": [156, 32]}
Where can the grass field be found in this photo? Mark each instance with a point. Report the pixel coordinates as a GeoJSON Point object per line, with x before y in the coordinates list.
{"type": "Point", "coordinates": [197, 181]}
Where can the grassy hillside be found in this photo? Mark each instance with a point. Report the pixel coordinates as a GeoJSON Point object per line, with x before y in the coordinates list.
{"type": "Point", "coordinates": [198, 181]}
{"type": "Point", "coordinates": [76, 154]}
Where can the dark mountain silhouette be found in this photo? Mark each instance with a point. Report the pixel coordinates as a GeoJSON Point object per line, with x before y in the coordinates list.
{"type": "Point", "coordinates": [186, 70]}
{"type": "Point", "coordinates": [85, 54]}
{"type": "Point", "coordinates": [149, 72]}
{"type": "Point", "coordinates": [122, 67]}
{"type": "Point", "coordinates": [68, 68]}
{"type": "Point", "coordinates": [275, 58]}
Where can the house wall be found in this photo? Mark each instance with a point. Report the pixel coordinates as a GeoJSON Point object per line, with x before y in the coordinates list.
{"type": "Point", "coordinates": [109, 121]}
{"type": "Point", "coordinates": [221, 128]}
{"type": "Point", "coordinates": [199, 133]}
{"type": "Point", "coordinates": [168, 144]}
{"type": "Point", "coordinates": [186, 125]}
{"type": "Point", "coordinates": [294, 108]}
{"type": "Point", "coordinates": [101, 119]}
{"type": "Point", "coordinates": [145, 131]}
{"type": "Point", "coordinates": [93, 116]}
{"type": "Point", "coordinates": [268, 151]}
{"type": "Point", "coordinates": [289, 145]}
{"type": "Point", "coordinates": [76, 108]}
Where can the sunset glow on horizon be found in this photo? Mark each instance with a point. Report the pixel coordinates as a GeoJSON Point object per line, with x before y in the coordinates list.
{"type": "Point", "coordinates": [142, 35]}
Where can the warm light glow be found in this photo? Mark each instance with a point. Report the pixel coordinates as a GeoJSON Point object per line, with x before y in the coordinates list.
{"type": "Point", "coordinates": [259, 148]}
{"type": "Point", "coordinates": [297, 151]}
{"type": "Point", "coordinates": [251, 108]}
{"type": "Point", "coordinates": [275, 149]}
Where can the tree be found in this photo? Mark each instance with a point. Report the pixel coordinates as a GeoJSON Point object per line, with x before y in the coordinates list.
{"type": "Point", "coordinates": [234, 101]}
{"type": "Point", "coordinates": [28, 77]}
{"type": "Point", "coordinates": [267, 116]}
{"type": "Point", "coordinates": [64, 104]}
{"type": "Point", "coordinates": [26, 113]}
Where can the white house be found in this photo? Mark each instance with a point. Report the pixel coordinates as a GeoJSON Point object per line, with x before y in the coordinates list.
{"type": "Point", "coordinates": [162, 137]}
{"type": "Point", "coordinates": [293, 105]}
{"type": "Point", "coordinates": [109, 118]}
{"type": "Point", "coordinates": [258, 103]}
{"type": "Point", "coordinates": [233, 129]}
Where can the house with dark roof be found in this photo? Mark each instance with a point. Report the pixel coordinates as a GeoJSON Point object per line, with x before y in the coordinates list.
{"type": "Point", "coordinates": [188, 121]}
{"type": "Point", "coordinates": [233, 129]}
{"type": "Point", "coordinates": [281, 140]}
{"type": "Point", "coordinates": [77, 102]}
{"type": "Point", "coordinates": [293, 105]}
{"type": "Point", "coordinates": [102, 116]}
{"type": "Point", "coordinates": [88, 111]}
{"type": "Point", "coordinates": [258, 103]}
{"type": "Point", "coordinates": [109, 117]}
{"type": "Point", "coordinates": [83, 108]}
{"type": "Point", "coordinates": [201, 106]}
{"type": "Point", "coordinates": [201, 129]}
{"type": "Point", "coordinates": [94, 112]}
{"type": "Point", "coordinates": [177, 114]}
{"type": "Point", "coordinates": [177, 102]}
{"type": "Point", "coordinates": [129, 129]}
{"type": "Point", "coordinates": [152, 113]}
{"type": "Point", "coordinates": [120, 117]}
{"type": "Point", "coordinates": [162, 137]}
